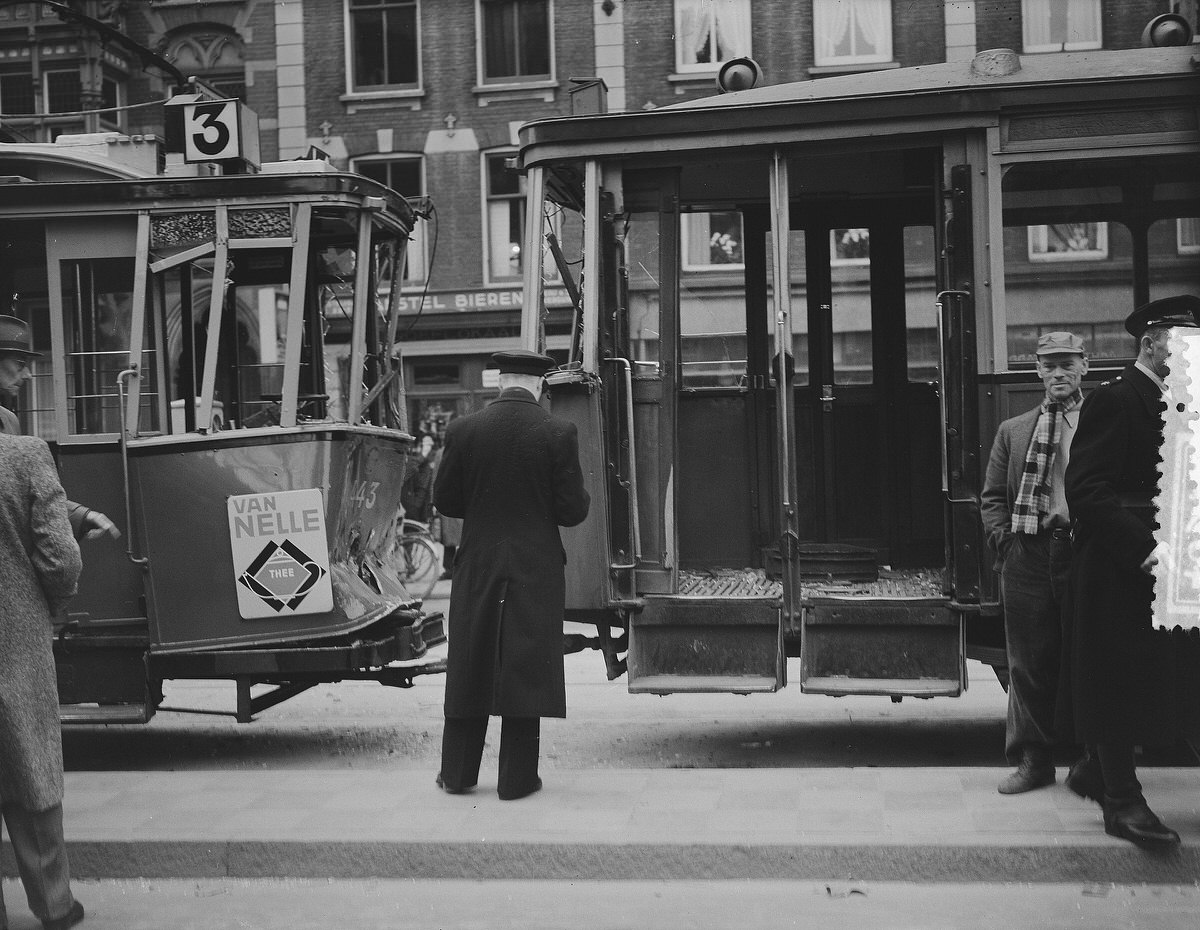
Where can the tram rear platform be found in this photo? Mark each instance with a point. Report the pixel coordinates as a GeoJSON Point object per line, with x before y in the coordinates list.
{"type": "Point", "coordinates": [828, 824]}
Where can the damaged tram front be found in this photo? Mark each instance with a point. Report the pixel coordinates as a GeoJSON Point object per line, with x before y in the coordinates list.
{"type": "Point", "coordinates": [800, 311]}
{"type": "Point", "coordinates": [217, 375]}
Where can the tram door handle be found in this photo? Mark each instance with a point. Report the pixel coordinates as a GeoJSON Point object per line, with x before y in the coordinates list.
{"type": "Point", "coordinates": [827, 397]}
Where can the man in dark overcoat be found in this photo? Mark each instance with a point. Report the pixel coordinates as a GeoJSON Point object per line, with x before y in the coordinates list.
{"type": "Point", "coordinates": [39, 571]}
{"type": "Point", "coordinates": [512, 473]}
{"type": "Point", "coordinates": [1117, 686]}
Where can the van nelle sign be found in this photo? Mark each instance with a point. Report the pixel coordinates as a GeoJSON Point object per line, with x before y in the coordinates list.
{"type": "Point", "coordinates": [280, 554]}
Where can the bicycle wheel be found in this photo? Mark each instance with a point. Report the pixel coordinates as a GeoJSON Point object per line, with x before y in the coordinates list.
{"type": "Point", "coordinates": [419, 568]}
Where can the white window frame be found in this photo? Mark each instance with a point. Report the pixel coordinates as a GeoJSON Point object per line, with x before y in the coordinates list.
{"type": "Point", "coordinates": [482, 79]}
{"type": "Point", "coordinates": [379, 89]}
{"type": "Point", "coordinates": [417, 263]}
{"type": "Point", "coordinates": [1034, 13]}
{"type": "Point", "coordinates": [550, 275]}
{"type": "Point", "coordinates": [825, 10]}
{"type": "Point", "coordinates": [700, 224]}
{"type": "Point", "coordinates": [1038, 240]}
{"type": "Point", "coordinates": [1187, 235]}
{"type": "Point", "coordinates": [710, 10]}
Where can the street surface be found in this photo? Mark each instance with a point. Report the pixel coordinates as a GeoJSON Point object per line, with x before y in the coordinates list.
{"type": "Point", "coordinates": [762, 870]}
{"type": "Point", "coordinates": [554, 905]}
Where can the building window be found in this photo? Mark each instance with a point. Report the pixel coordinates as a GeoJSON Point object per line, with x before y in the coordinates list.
{"type": "Point", "coordinates": [852, 31]}
{"type": "Point", "coordinates": [385, 46]}
{"type": "Point", "coordinates": [712, 241]}
{"type": "Point", "coordinates": [516, 40]}
{"type": "Point", "coordinates": [708, 32]}
{"type": "Point", "coordinates": [406, 177]}
{"type": "Point", "coordinates": [1060, 25]}
{"type": "Point", "coordinates": [505, 218]}
{"type": "Point", "coordinates": [850, 247]}
{"type": "Point", "coordinates": [1068, 242]}
{"type": "Point", "coordinates": [1189, 10]}
{"type": "Point", "coordinates": [1188, 235]}
{"type": "Point", "coordinates": [16, 94]}
{"type": "Point", "coordinates": [62, 91]}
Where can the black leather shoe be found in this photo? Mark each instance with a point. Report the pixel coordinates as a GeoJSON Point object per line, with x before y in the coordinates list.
{"type": "Point", "coordinates": [517, 795]}
{"type": "Point", "coordinates": [1086, 778]}
{"type": "Point", "coordinates": [70, 919]}
{"type": "Point", "coordinates": [441, 784]}
{"type": "Point", "coordinates": [1034, 771]}
{"type": "Point", "coordinates": [1134, 821]}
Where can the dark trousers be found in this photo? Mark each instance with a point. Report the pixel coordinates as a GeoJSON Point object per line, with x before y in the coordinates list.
{"type": "Point", "coordinates": [1033, 582]}
{"type": "Point", "coordinates": [462, 750]}
{"type": "Point", "coordinates": [41, 854]}
{"type": "Point", "coordinates": [1117, 762]}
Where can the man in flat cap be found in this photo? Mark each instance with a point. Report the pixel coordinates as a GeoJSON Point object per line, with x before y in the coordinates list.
{"type": "Point", "coordinates": [512, 472]}
{"type": "Point", "coordinates": [1116, 690]}
{"type": "Point", "coordinates": [16, 349]}
{"type": "Point", "coordinates": [1025, 517]}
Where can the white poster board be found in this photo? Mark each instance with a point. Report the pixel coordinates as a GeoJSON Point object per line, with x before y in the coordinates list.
{"type": "Point", "coordinates": [280, 553]}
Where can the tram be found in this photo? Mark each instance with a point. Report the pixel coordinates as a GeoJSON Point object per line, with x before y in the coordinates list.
{"type": "Point", "coordinates": [218, 376]}
{"type": "Point", "coordinates": [801, 312]}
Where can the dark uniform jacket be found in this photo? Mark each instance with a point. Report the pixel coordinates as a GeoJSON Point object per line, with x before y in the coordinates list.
{"type": "Point", "coordinates": [1119, 677]}
{"type": "Point", "coordinates": [512, 472]}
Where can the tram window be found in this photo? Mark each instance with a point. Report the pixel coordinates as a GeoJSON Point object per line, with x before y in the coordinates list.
{"type": "Point", "coordinates": [919, 304]}
{"type": "Point", "coordinates": [850, 325]}
{"type": "Point", "coordinates": [98, 306]}
{"type": "Point", "coordinates": [1079, 254]}
{"type": "Point", "coordinates": [1174, 247]}
{"type": "Point", "coordinates": [644, 263]}
{"type": "Point", "coordinates": [405, 177]}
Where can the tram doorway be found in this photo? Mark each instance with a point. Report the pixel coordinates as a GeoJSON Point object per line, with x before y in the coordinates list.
{"type": "Point", "coordinates": [865, 387]}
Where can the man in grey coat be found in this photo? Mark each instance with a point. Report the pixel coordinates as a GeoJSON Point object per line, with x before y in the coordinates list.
{"type": "Point", "coordinates": [39, 565]}
{"type": "Point", "coordinates": [512, 472]}
{"type": "Point", "coordinates": [1024, 511]}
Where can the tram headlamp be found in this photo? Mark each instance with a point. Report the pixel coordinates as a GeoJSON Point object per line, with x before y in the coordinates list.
{"type": "Point", "coordinates": [738, 74]}
{"type": "Point", "coordinates": [1167, 29]}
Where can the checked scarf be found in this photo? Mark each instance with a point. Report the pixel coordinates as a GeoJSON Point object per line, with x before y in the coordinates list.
{"type": "Point", "coordinates": [1033, 495]}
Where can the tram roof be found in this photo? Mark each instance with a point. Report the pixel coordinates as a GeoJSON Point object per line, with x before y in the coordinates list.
{"type": "Point", "coordinates": [954, 89]}
{"type": "Point", "coordinates": [65, 180]}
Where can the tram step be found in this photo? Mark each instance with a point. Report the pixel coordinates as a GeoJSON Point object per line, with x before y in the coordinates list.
{"type": "Point", "coordinates": [692, 644]}
{"type": "Point", "coordinates": [100, 713]}
{"type": "Point", "coordinates": [902, 646]}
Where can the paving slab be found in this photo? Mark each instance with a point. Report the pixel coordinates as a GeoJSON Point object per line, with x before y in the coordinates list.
{"type": "Point", "coordinates": [881, 824]}
{"type": "Point", "coordinates": [274, 904]}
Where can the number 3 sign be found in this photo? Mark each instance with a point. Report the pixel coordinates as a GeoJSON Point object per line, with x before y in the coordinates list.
{"type": "Point", "coordinates": [211, 131]}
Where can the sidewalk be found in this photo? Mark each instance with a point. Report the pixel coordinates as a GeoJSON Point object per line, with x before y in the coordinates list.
{"type": "Point", "coordinates": [878, 824]}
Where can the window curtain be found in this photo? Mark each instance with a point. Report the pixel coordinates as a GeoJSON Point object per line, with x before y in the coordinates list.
{"type": "Point", "coordinates": [874, 19]}
{"type": "Point", "coordinates": [1083, 24]}
{"type": "Point", "coordinates": [831, 23]}
{"type": "Point", "coordinates": [500, 39]}
{"type": "Point", "coordinates": [733, 28]}
{"type": "Point", "coordinates": [693, 28]}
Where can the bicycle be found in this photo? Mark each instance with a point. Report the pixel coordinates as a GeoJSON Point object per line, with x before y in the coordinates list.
{"type": "Point", "coordinates": [419, 564]}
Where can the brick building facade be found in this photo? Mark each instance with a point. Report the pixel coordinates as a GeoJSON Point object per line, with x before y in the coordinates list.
{"type": "Point", "coordinates": [427, 96]}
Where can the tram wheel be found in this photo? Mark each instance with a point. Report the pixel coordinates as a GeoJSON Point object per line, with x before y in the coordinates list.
{"type": "Point", "coordinates": [419, 568]}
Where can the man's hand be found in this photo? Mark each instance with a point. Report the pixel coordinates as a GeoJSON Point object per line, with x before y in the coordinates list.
{"type": "Point", "coordinates": [95, 524]}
